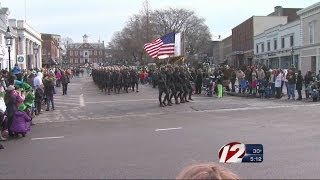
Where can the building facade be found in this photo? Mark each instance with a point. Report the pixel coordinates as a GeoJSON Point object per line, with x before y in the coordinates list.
{"type": "Point", "coordinates": [85, 53]}
{"type": "Point", "coordinates": [310, 38]}
{"type": "Point", "coordinates": [243, 37]}
{"type": "Point", "coordinates": [291, 13]}
{"type": "Point", "coordinates": [279, 46]}
{"type": "Point", "coordinates": [28, 40]}
{"type": "Point", "coordinates": [216, 52]}
{"type": "Point", "coordinates": [227, 49]}
{"type": "Point", "coordinates": [50, 49]}
{"type": "Point", "coordinates": [4, 53]}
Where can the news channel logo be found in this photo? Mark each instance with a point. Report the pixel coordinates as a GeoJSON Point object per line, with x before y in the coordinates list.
{"type": "Point", "coordinates": [236, 152]}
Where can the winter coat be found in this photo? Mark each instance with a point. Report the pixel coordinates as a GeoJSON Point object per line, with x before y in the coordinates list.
{"type": "Point", "coordinates": [260, 74]}
{"type": "Point", "coordinates": [240, 75]}
{"type": "Point", "coordinates": [58, 75]}
{"type": "Point", "coordinates": [299, 82]}
{"type": "Point", "coordinates": [38, 95]}
{"type": "Point", "coordinates": [278, 80]}
{"type": "Point", "coordinates": [65, 79]}
{"type": "Point", "coordinates": [21, 122]}
{"type": "Point", "coordinates": [199, 78]}
{"type": "Point", "coordinates": [308, 79]}
{"type": "Point", "coordinates": [10, 101]}
{"type": "Point", "coordinates": [37, 81]}
{"type": "Point", "coordinates": [48, 88]}
{"type": "Point", "coordinates": [291, 78]}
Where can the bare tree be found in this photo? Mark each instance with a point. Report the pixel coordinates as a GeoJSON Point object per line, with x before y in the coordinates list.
{"type": "Point", "coordinates": [66, 40]}
{"type": "Point", "coordinates": [148, 25]}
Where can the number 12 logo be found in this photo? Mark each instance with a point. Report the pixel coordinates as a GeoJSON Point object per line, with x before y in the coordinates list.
{"type": "Point", "coordinates": [232, 153]}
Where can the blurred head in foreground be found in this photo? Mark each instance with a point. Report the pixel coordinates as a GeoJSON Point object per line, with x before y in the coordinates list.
{"type": "Point", "coordinates": [206, 171]}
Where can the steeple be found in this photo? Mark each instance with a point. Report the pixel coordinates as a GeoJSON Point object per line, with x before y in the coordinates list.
{"type": "Point", "coordinates": [85, 38]}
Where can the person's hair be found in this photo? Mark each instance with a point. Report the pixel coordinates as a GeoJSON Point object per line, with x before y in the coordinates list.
{"type": "Point", "coordinates": [206, 171]}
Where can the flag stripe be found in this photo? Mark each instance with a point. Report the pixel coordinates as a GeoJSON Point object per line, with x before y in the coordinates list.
{"type": "Point", "coordinates": [161, 46]}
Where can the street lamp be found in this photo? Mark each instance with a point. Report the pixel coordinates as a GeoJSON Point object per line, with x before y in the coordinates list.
{"type": "Point", "coordinates": [35, 51]}
{"type": "Point", "coordinates": [9, 38]}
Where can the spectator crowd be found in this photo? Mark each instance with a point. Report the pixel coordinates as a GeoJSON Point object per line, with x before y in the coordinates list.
{"type": "Point", "coordinates": [22, 95]}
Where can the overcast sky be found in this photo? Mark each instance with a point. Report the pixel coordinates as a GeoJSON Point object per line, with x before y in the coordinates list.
{"type": "Point", "coordinates": [73, 18]}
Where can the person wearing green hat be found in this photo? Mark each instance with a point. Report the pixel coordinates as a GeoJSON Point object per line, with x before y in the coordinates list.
{"type": "Point", "coordinates": [29, 99]}
{"type": "Point", "coordinates": [21, 122]}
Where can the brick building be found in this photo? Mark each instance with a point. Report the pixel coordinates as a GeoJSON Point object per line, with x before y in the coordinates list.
{"type": "Point", "coordinates": [243, 34]}
{"type": "Point", "coordinates": [50, 49]}
{"type": "Point", "coordinates": [290, 12]}
{"type": "Point", "coordinates": [85, 52]}
{"type": "Point", "coordinates": [227, 49]}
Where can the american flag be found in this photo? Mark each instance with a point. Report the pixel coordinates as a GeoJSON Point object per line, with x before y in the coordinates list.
{"type": "Point", "coordinates": [161, 46]}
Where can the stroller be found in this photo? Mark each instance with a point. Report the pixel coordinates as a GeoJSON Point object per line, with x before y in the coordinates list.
{"type": "Point", "coordinates": [313, 91]}
{"type": "Point", "coordinates": [244, 86]}
{"type": "Point", "coordinates": [262, 88]}
{"type": "Point", "coordinates": [210, 87]}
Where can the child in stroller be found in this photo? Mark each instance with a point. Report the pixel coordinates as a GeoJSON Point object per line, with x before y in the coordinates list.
{"type": "Point", "coordinates": [261, 88]}
{"type": "Point", "coordinates": [243, 86]}
{"type": "Point", "coordinates": [210, 90]}
{"type": "Point", "coordinates": [313, 91]}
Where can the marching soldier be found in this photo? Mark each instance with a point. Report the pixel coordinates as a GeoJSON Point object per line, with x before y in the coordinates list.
{"type": "Point", "coordinates": [178, 85]}
{"type": "Point", "coordinates": [162, 83]}
{"type": "Point", "coordinates": [125, 79]}
{"type": "Point", "coordinates": [171, 86]}
{"type": "Point", "coordinates": [189, 79]}
{"type": "Point", "coordinates": [108, 85]}
{"type": "Point", "coordinates": [134, 79]}
{"type": "Point", "coordinates": [184, 86]}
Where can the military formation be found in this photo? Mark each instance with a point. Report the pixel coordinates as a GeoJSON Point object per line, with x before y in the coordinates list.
{"type": "Point", "coordinates": [114, 79]}
{"type": "Point", "coordinates": [174, 82]}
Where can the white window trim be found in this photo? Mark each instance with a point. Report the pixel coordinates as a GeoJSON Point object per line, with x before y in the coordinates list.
{"type": "Point", "coordinates": [313, 32]}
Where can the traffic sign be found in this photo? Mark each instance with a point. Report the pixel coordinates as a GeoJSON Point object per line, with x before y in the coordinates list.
{"type": "Point", "coordinates": [21, 59]}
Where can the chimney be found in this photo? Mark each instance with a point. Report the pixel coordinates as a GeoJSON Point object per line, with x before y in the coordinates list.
{"type": "Point", "coordinates": [278, 10]}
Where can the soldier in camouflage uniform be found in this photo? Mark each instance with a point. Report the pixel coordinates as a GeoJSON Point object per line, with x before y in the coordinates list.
{"type": "Point", "coordinates": [134, 79]}
{"type": "Point", "coordinates": [178, 85]}
{"type": "Point", "coordinates": [184, 82]}
{"type": "Point", "coordinates": [125, 79]}
{"type": "Point", "coordinates": [171, 86]}
{"type": "Point", "coordinates": [189, 79]}
{"type": "Point", "coordinates": [162, 84]}
{"type": "Point", "coordinates": [108, 80]}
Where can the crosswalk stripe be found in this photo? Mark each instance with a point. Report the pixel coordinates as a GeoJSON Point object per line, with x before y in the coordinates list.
{"type": "Point", "coordinates": [66, 100]}
{"type": "Point", "coordinates": [66, 103]}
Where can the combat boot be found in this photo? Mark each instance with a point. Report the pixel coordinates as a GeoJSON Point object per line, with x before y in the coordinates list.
{"type": "Point", "coordinates": [182, 101]}
{"type": "Point", "coordinates": [169, 103]}
{"type": "Point", "coordinates": [161, 105]}
{"type": "Point", "coordinates": [176, 101]}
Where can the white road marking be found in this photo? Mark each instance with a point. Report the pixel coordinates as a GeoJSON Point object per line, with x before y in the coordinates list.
{"type": "Point", "coordinates": [66, 100]}
{"type": "Point", "coordinates": [44, 138]}
{"type": "Point", "coordinates": [182, 112]}
{"type": "Point", "coordinates": [68, 103]}
{"type": "Point", "coordinates": [169, 129]}
{"type": "Point", "coordinates": [131, 100]}
{"type": "Point", "coordinates": [81, 99]}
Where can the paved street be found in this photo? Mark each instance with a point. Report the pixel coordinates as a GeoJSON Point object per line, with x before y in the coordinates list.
{"type": "Point", "coordinates": [93, 135]}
